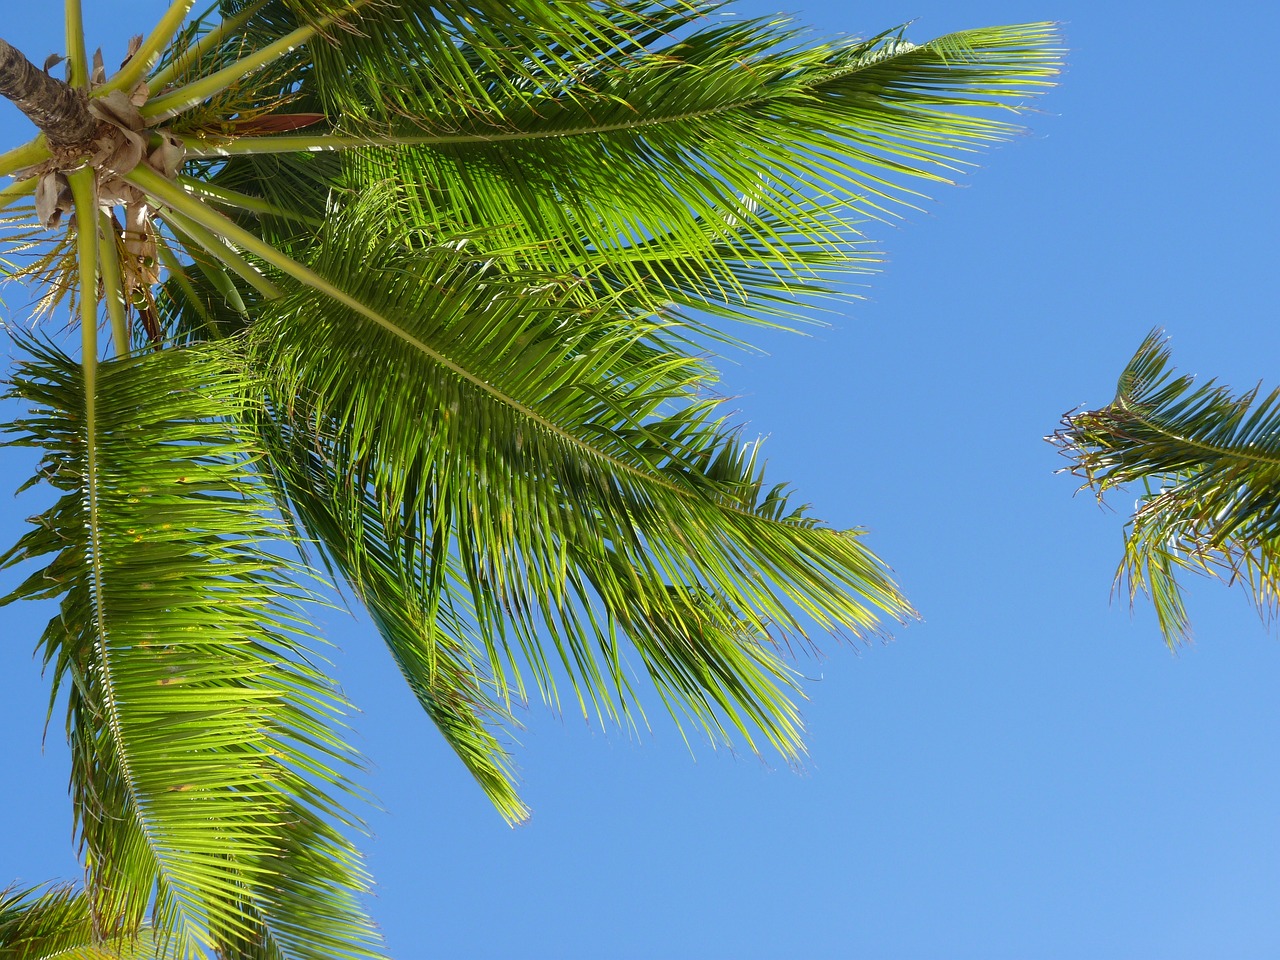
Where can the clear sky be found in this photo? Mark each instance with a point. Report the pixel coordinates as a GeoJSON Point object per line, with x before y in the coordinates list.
{"type": "Point", "coordinates": [1028, 773]}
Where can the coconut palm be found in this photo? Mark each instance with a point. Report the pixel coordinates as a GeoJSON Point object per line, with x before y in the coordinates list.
{"type": "Point", "coordinates": [425, 290]}
{"type": "Point", "coordinates": [1208, 463]}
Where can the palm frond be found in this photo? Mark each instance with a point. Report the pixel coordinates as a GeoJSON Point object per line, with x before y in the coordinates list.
{"type": "Point", "coordinates": [564, 464]}
{"type": "Point", "coordinates": [1208, 462]}
{"type": "Point", "coordinates": [429, 638]}
{"type": "Point", "coordinates": [722, 149]}
{"type": "Point", "coordinates": [431, 643]}
{"type": "Point", "coordinates": [471, 251]}
{"type": "Point", "coordinates": [50, 922]}
{"type": "Point", "coordinates": [479, 52]}
{"type": "Point", "coordinates": [193, 699]}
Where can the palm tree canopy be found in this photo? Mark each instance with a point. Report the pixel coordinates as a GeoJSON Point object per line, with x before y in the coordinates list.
{"type": "Point", "coordinates": [428, 291]}
{"type": "Point", "coordinates": [1208, 462]}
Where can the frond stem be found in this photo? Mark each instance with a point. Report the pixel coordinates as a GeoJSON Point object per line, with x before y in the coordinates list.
{"type": "Point", "coordinates": [16, 191]}
{"type": "Point", "coordinates": [112, 284]}
{"type": "Point", "coordinates": [179, 274]}
{"type": "Point", "coordinates": [128, 76]}
{"type": "Point", "coordinates": [169, 72]}
{"type": "Point", "coordinates": [78, 69]}
{"type": "Point", "coordinates": [84, 190]}
{"type": "Point", "coordinates": [171, 104]}
{"type": "Point", "coordinates": [217, 247]}
{"type": "Point", "coordinates": [30, 153]}
{"type": "Point", "coordinates": [1213, 450]}
{"type": "Point", "coordinates": [243, 201]}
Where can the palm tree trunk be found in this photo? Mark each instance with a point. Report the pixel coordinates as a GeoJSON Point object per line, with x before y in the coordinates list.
{"type": "Point", "coordinates": [59, 110]}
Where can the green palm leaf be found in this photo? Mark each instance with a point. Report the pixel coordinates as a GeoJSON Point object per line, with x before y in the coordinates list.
{"type": "Point", "coordinates": [192, 699]}
{"type": "Point", "coordinates": [55, 923]}
{"type": "Point", "coordinates": [562, 465]}
{"type": "Point", "coordinates": [1208, 462]}
{"type": "Point", "coordinates": [429, 637]}
{"type": "Point", "coordinates": [721, 153]}
{"type": "Point", "coordinates": [430, 288]}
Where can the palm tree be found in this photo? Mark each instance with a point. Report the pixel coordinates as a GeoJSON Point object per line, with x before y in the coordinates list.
{"type": "Point", "coordinates": [1208, 462]}
{"type": "Point", "coordinates": [425, 289]}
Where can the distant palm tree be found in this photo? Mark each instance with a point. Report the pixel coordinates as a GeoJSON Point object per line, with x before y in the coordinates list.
{"type": "Point", "coordinates": [1209, 466]}
{"type": "Point", "coordinates": [425, 289]}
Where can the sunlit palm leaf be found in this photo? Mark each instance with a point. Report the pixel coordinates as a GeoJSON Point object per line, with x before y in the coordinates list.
{"type": "Point", "coordinates": [368, 58]}
{"type": "Point", "coordinates": [720, 152]}
{"type": "Point", "coordinates": [191, 696]}
{"type": "Point", "coordinates": [430, 640]}
{"type": "Point", "coordinates": [468, 250]}
{"type": "Point", "coordinates": [1208, 462]}
{"type": "Point", "coordinates": [564, 463]}
{"type": "Point", "coordinates": [386, 60]}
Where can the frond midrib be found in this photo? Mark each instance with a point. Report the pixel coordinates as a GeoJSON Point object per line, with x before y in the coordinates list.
{"type": "Point", "coordinates": [165, 192]}
{"type": "Point", "coordinates": [1134, 408]}
{"type": "Point", "coordinates": [198, 148]}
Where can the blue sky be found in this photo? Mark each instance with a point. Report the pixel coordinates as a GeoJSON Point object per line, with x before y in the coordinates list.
{"type": "Point", "coordinates": [1027, 772]}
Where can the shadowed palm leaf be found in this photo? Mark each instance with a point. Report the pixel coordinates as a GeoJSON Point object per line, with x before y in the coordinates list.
{"type": "Point", "coordinates": [1209, 465]}
{"type": "Point", "coordinates": [56, 922]}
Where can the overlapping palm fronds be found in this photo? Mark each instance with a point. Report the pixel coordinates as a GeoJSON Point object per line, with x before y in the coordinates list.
{"type": "Point", "coordinates": [57, 922]}
{"type": "Point", "coordinates": [1208, 464]}
{"type": "Point", "coordinates": [718, 171]}
{"type": "Point", "coordinates": [561, 464]}
{"type": "Point", "coordinates": [427, 286]}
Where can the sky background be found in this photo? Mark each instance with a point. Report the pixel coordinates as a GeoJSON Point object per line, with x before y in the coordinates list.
{"type": "Point", "coordinates": [1026, 773]}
